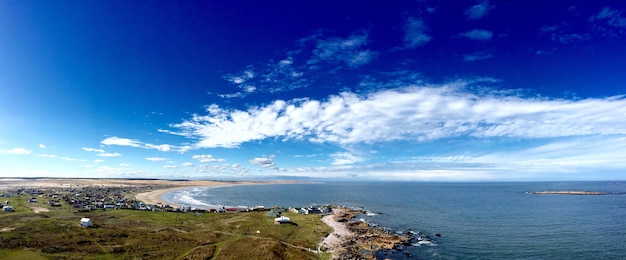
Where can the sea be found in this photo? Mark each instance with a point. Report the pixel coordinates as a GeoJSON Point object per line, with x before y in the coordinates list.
{"type": "Point", "coordinates": [471, 220]}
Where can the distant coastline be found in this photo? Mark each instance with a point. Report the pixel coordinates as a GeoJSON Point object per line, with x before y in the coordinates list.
{"type": "Point", "coordinates": [571, 192]}
{"type": "Point", "coordinates": [149, 191]}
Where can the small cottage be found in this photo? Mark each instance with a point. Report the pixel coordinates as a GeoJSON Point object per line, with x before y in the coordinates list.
{"type": "Point", "coordinates": [8, 209]}
{"type": "Point", "coordinates": [85, 222]}
{"type": "Point", "coordinates": [282, 220]}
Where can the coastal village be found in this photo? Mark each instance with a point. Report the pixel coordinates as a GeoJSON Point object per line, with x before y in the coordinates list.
{"type": "Point", "coordinates": [90, 198]}
{"type": "Point", "coordinates": [353, 238]}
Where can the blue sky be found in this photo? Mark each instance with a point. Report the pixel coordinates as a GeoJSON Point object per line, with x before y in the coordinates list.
{"type": "Point", "coordinates": [395, 90]}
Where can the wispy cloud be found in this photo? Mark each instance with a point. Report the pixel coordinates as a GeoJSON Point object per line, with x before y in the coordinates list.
{"type": "Point", "coordinates": [420, 113]}
{"type": "Point", "coordinates": [101, 152]}
{"type": "Point", "coordinates": [479, 10]}
{"type": "Point", "coordinates": [93, 150]}
{"type": "Point", "coordinates": [42, 146]}
{"type": "Point", "coordinates": [156, 159]}
{"type": "Point", "coordinates": [479, 55]}
{"type": "Point", "coordinates": [222, 169]}
{"type": "Point", "coordinates": [478, 35]}
{"type": "Point", "coordinates": [98, 161]}
{"type": "Point", "coordinates": [415, 33]}
{"type": "Point", "coordinates": [138, 144]}
{"type": "Point", "coordinates": [315, 58]}
{"type": "Point", "coordinates": [20, 151]}
{"type": "Point", "coordinates": [612, 17]}
{"type": "Point", "coordinates": [241, 78]}
{"type": "Point", "coordinates": [349, 51]}
{"type": "Point", "coordinates": [162, 147]}
{"type": "Point", "coordinates": [71, 159]}
{"type": "Point", "coordinates": [207, 158]}
{"type": "Point", "coordinates": [344, 158]}
{"type": "Point", "coordinates": [109, 154]}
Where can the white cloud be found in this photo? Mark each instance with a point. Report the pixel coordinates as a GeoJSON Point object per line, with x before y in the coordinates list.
{"type": "Point", "coordinates": [344, 158]}
{"type": "Point", "coordinates": [124, 165]}
{"type": "Point", "coordinates": [42, 146]}
{"type": "Point", "coordinates": [93, 150]}
{"type": "Point", "coordinates": [478, 11]}
{"type": "Point", "coordinates": [207, 158]}
{"type": "Point", "coordinates": [187, 164]}
{"type": "Point", "coordinates": [109, 154]}
{"type": "Point", "coordinates": [415, 33]}
{"type": "Point", "coordinates": [478, 35]}
{"type": "Point", "coordinates": [417, 113]}
{"type": "Point", "coordinates": [266, 162]}
{"type": "Point", "coordinates": [98, 161]}
{"type": "Point", "coordinates": [121, 142]}
{"type": "Point", "coordinates": [20, 151]}
{"type": "Point", "coordinates": [48, 155]}
{"type": "Point", "coordinates": [170, 166]}
{"type": "Point", "coordinates": [156, 159]}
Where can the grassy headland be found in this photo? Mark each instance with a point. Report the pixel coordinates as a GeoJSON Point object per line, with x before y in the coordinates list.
{"type": "Point", "coordinates": [38, 230]}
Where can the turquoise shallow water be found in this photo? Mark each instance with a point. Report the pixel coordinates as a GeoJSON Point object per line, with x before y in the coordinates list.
{"type": "Point", "coordinates": [477, 220]}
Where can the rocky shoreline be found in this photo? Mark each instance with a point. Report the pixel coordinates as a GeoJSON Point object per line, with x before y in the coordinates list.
{"type": "Point", "coordinates": [366, 241]}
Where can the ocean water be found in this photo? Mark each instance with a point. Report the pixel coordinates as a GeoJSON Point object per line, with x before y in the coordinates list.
{"type": "Point", "coordinates": [477, 220]}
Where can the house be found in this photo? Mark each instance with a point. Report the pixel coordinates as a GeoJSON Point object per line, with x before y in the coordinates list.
{"type": "Point", "coordinates": [85, 222]}
{"type": "Point", "coordinates": [282, 220]}
{"type": "Point", "coordinates": [8, 209]}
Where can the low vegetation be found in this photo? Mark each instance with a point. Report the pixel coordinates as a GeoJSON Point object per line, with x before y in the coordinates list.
{"type": "Point", "coordinates": [40, 231]}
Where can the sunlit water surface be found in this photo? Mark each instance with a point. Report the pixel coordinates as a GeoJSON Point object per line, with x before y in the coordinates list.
{"type": "Point", "coordinates": [477, 220]}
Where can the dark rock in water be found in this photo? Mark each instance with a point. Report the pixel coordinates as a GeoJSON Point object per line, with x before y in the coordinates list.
{"type": "Point", "coordinates": [438, 235]}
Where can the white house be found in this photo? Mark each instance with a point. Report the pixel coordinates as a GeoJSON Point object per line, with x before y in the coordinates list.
{"type": "Point", "coordinates": [8, 209]}
{"type": "Point", "coordinates": [85, 222]}
{"type": "Point", "coordinates": [282, 220]}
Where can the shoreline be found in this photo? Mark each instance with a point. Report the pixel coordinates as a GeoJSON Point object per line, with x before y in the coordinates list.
{"type": "Point", "coordinates": [155, 196]}
{"type": "Point", "coordinates": [352, 239]}
{"type": "Point", "coordinates": [149, 191]}
{"type": "Point", "coordinates": [333, 241]}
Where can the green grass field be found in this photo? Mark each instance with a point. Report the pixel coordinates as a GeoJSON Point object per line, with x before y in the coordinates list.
{"type": "Point", "coordinates": [131, 234]}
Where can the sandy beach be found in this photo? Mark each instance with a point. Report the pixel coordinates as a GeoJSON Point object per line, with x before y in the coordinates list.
{"type": "Point", "coordinates": [155, 196]}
